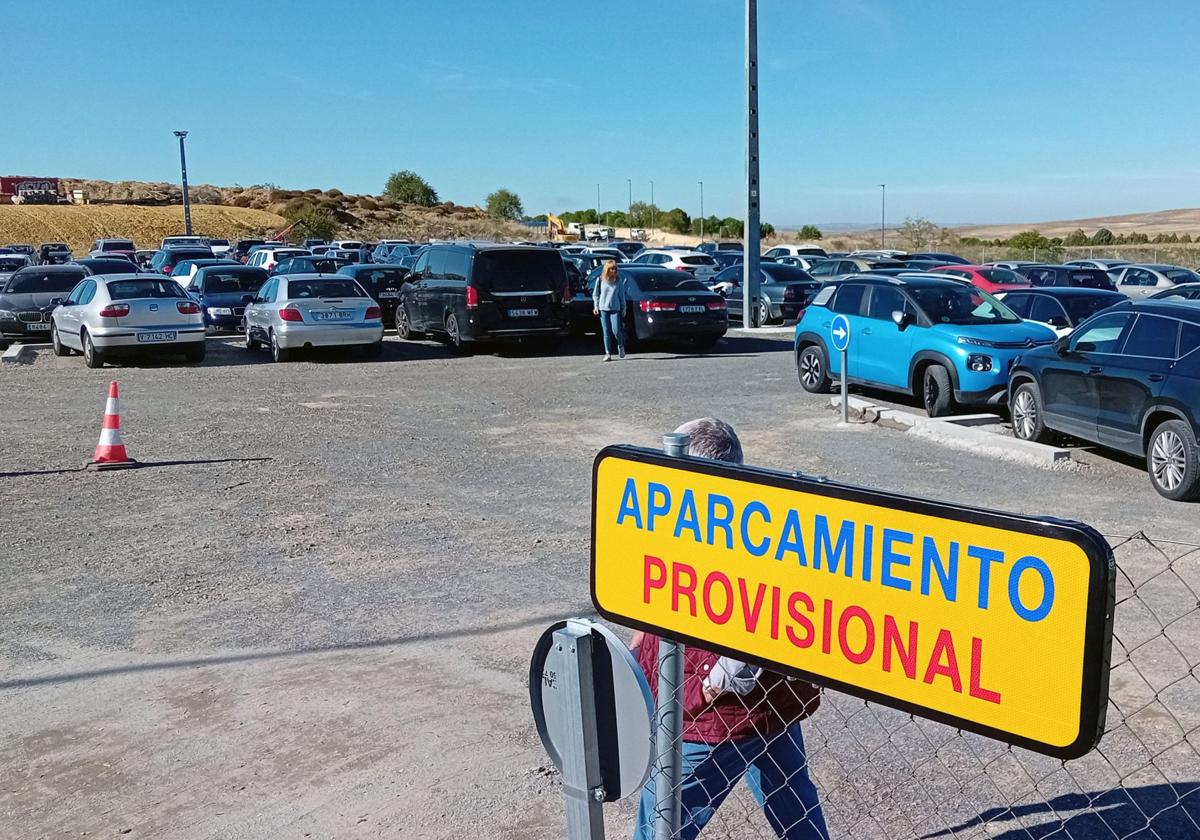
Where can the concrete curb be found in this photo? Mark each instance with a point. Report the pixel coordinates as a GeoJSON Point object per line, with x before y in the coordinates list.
{"type": "Point", "coordinates": [964, 431]}
{"type": "Point", "coordinates": [772, 331]}
{"type": "Point", "coordinates": [16, 353]}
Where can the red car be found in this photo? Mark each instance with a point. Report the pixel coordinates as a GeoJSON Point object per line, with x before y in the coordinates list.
{"type": "Point", "coordinates": [986, 277]}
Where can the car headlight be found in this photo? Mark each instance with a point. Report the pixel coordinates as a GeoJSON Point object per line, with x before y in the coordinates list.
{"type": "Point", "coordinates": [975, 342]}
{"type": "Point", "coordinates": [7, 315]}
{"type": "Point", "coordinates": [979, 362]}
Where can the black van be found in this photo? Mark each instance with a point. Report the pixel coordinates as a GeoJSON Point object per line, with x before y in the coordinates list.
{"type": "Point", "coordinates": [471, 293]}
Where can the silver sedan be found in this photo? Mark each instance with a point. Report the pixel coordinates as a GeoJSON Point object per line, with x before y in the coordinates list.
{"type": "Point", "coordinates": [294, 311]}
{"type": "Point", "coordinates": [107, 314]}
{"type": "Point", "coordinates": [1141, 281]}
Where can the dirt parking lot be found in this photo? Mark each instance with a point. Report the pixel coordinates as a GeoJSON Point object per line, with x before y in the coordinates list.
{"type": "Point", "coordinates": [310, 613]}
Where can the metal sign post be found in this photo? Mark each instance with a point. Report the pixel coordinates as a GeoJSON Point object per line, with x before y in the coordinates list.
{"type": "Point", "coordinates": [580, 757]}
{"type": "Point", "coordinates": [839, 331]}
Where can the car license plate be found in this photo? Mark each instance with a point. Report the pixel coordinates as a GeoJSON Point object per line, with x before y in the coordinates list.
{"type": "Point", "coordinates": [389, 294]}
{"type": "Point", "coordinates": [522, 313]}
{"type": "Point", "coordinates": [333, 315]}
{"type": "Point", "coordinates": [152, 337]}
{"type": "Point", "coordinates": [219, 310]}
{"type": "Point", "coordinates": [42, 327]}
{"type": "Point", "coordinates": [691, 310]}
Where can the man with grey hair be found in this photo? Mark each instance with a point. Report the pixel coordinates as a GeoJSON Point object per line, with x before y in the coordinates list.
{"type": "Point", "coordinates": [738, 719]}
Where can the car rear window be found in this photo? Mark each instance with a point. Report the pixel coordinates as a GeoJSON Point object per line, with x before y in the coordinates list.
{"type": "Point", "coordinates": [378, 278]}
{"type": "Point", "coordinates": [323, 289]}
{"type": "Point", "coordinates": [1002, 277]}
{"type": "Point", "coordinates": [178, 255]}
{"type": "Point", "coordinates": [1083, 307]}
{"type": "Point", "coordinates": [1090, 279]}
{"type": "Point", "coordinates": [9, 264]}
{"type": "Point", "coordinates": [667, 281]}
{"type": "Point", "coordinates": [698, 260]}
{"type": "Point", "coordinates": [231, 282]}
{"type": "Point", "coordinates": [144, 287]}
{"type": "Point", "coordinates": [39, 282]}
{"type": "Point", "coordinates": [518, 271]}
{"type": "Point", "coordinates": [1181, 275]}
{"type": "Point", "coordinates": [787, 274]}
{"type": "Point", "coordinates": [117, 245]}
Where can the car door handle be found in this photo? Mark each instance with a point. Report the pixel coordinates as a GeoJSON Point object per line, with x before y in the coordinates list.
{"type": "Point", "coordinates": [866, 331]}
{"type": "Point", "coordinates": [1156, 377]}
{"type": "Point", "coordinates": [1092, 371]}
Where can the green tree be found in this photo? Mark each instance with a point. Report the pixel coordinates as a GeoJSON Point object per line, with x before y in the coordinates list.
{"type": "Point", "coordinates": [919, 233]}
{"type": "Point", "coordinates": [410, 188]}
{"type": "Point", "coordinates": [809, 233]}
{"type": "Point", "coordinates": [1187, 237]}
{"type": "Point", "coordinates": [675, 220]}
{"type": "Point", "coordinates": [644, 215]}
{"type": "Point", "coordinates": [1027, 240]}
{"type": "Point", "coordinates": [1138, 239]}
{"type": "Point", "coordinates": [1076, 238]}
{"type": "Point", "coordinates": [504, 204]}
{"type": "Point", "coordinates": [766, 229]}
{"type": "Point", "coordinates": [1103, 236]}
{"type": "Point", "coordinates": [313, 223]}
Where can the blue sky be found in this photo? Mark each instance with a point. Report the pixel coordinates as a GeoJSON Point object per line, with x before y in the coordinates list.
{"type": "Point", "coordinates": [969, 111]}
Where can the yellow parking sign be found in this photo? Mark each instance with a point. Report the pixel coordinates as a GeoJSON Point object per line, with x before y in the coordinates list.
{"type": "Point", "coordinates": [996, 623]}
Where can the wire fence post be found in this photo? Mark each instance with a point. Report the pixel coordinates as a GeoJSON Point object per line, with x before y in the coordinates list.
{"type": "Point", "coordinates": [668, 713]}
{"type": "Point", "coordinates": [580, 755]}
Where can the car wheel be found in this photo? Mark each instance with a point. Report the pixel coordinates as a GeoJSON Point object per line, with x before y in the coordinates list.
{"type": "Point", "coordinates": [1026, 410]}
{"type": "Point", "coordinates": [373, 350]}
{"type": "Point", "coordinates": [194, 353]}
{"type": "Point", "coordinates": [1173, 461]}
{"type": "Point", "coordinates": [454, 335]}
{"type": "Point", "coordinates": [92, 357]}
{"type": "Point", "coordinates": [937, 393]}
{"type": "Point", "coordinates": [404, 328]}
{"type": "Point", "coordinates": [811, 370]}
{"type": "Point", "coordinates": [279, 354]}
{"type": "Point", "coordinates": [60, 349]}
{"type": "Point", "coordinates": [764, 312]}
{"type": "Point", "coordinates": [252, 343]}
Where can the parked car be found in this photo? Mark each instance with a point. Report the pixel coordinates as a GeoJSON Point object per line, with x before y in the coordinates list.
{"type": "Point", "coordinates": [466, 294]}
{"type": "Point", "coordinates": [241, 249]}
{"type": "Point", "coordinates": [220, 247]}
{"type": "Point", "coordinates": [1014, 265]}
{"type": "Point", "coordinates": [833, 269]}
{"type": "Point", "coordinates": [307, 265]}
{"type": "Point", "coordinates": [942, 341]}
{"type": "Point", "coordinates": [725, 259]}
{"type": "Point", "coordinates": [183, 271]}
{"type": "Point", "coordinates": [1141, 281]}
{"type": "Point", "coordinates": [614, 254]}
{"type": "Point", "coordinates": [382, 282]}
{"type": "Point", "coordinates": [13, 262]}
{"type": "Point", "coordinates": [294, 311]}
{"type": "Point", "coordinates": [23, 248]}
{"type": "Point", "coordinates": [796, 251]}
{"type": "Point", "coordinates": [105, 265]}
{"type": "Point", "coordinates": [165, 260]}
{"type": "Point", "coordinates": [663, 304]}
{"type": "Point", "coordinates": [143, 257]}
{"type": "Point", "coordinates": [114, 247]}
{"type": "Point", "coordinates": [27, 295]}
{"type": "Point", "coordinates": [1128, 379]}
{"type": "Point", "coordinates": [701, 266]}
{"type": "Point", "coordinates": [313, 243]}
{"type": "Point", "coordinates": [629, 249]}
{"type": "Point", "coordinates": [783, 291]}
{"type": "Point", "coordinates": [939, 257]}
{"type": "Point", "coordinates": [985, 277]}
{"type": "Point", "coordinates": [711, 248]}
{"type": "Point", "coordinates": [347, 244]}
{"type": "Point", "coordinates": [185, 241]}
{"type": "Point", "coordinates": [1062, 308]}
{"type": "Point", "coordinates": [585, 262]}
{"type": "Point", "coordinates": [802, 263]}
{"type": "Point", "coordinates": [1183, 291]}
{"type": "Point", "coordinates": [1068, 275]}
{"type": "Point", "coordinates": [266, 256]}
{"type": "Point", "coordinates": [107, 315]}
{"type": "Point", "coordinates": [1104, 265]}
{"type": "Point", "coordinates": [223, 291]}
{"type": "Point", "coordinates": [53, 253]}
{"type": "Point", "coordinates": [399, 253]}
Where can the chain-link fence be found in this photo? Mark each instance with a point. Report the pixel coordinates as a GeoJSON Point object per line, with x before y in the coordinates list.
{"type": "Point", "coordinates": [1171, 254]}
{"type": "Point", "coordinates": [879, 773]}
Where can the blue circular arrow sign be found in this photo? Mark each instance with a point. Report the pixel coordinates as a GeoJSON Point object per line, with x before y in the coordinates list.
{"type": "Point", "coordinates": [839, 331]}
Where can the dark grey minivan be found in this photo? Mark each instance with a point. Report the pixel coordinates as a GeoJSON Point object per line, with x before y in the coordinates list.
{"type": "Point", "coordinates": [470, 293]}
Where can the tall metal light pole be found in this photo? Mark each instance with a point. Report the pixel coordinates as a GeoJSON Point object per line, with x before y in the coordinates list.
{"type": "Point", "coordinates": [652, 208]}
{"type": "Point", "coordinates": [187, 201]}
{"type": "Point", "coordinates": [882, 214]}
{"type": "Point", "coordinates": [701, 211]}
{"type": "Point", "coordinates": [629, 218]}
{"type": "Point", "coordinates": [598, 204]}
{"type": "Point", "coordinates": [751, 276]}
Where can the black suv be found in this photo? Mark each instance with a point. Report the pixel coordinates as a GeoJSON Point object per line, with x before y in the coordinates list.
{"type": "Point", "coordinates": [473, 293]}
{"type": "Point", "coordinates": [1067, 275]}
{"type": "Point", "coordinates": [1127, 378]}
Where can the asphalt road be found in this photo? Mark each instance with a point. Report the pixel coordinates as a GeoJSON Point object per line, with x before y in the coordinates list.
{"type": "Point", "coordinates": [310, 612]}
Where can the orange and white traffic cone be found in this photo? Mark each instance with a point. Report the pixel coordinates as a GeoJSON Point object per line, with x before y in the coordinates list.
{"type": "Point", "coordinates": [110, 451]}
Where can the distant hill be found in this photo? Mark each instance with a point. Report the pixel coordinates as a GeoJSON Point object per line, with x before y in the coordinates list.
{"type": "Point", "coordinates": [1162, 221]}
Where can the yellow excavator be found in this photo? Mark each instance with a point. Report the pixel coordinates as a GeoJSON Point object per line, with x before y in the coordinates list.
{"type": "Point", "coordinates": [556, 230]}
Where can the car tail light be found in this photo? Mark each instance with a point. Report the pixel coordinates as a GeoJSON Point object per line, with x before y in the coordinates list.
{"type": "Point", "coordinates": [167, 270]}
{"type": "Point", "coordinates": [289, 314]}
{"type": "Point", "coordinates": [115, 310]}
{"type": "Point", "coordinates": [656, 306]}
{"type": "Point", "coordinates": [187, 307]}
{"type": "Point", "coordinates": [717, 304]}
{"type": "Point", "coordinates": [472, 297]}
{"type": "Point", "coordinates": [373, 313]}
{"type": "Point", "coordinates": [686, 268]}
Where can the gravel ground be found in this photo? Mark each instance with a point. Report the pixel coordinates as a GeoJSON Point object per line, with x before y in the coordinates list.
{"type": "Point", "coordinates": [310, 613]}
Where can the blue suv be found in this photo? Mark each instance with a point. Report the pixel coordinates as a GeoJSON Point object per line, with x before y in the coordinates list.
{"type": "Point", "coordinates": [943, 341]}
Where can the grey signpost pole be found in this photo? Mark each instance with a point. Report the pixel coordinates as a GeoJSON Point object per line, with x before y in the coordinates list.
{"type": "Point", "coordinates": [751, 276]}
{"type": "Point", "coordinates": [668, 712]}
{"type": "Point", "coordinates": [580, 755]}
{"type": "Point", "coordinates": [187, 201]}
{"type": "Point", "coordinates": [839, 332]}
{"type": "Point", "coordinates": [845, 393]}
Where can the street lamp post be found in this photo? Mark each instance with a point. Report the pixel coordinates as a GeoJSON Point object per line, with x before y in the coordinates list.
{"type": "Point", "coordinates": [751, 278]}
{"type": "Point", "coordinates": [652, 208]}
{"type": "Point", "coordinates": [598, 219]}
{"type": "Point", "coordinates": [701, 211]}
{"type": "Point", "coordinates": [882, 215]}
{"type": "Point", "coordinates": [187, 201]}
{"type": "Point", "coordinates": [629, 218]}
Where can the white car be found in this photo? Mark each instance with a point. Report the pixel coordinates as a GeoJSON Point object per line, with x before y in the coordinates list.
{"type": "Point", "coordinates": [347, 244]}
{"type": "Point", "coordinates": [295, 311]}
{"type": "Point", "coordinates": [266, 258]}
{"type": "Point", "coordinates": [1141, 281]}
{"type": "Point", "coordinates": [614, 253]}
{"type": "Point", "coordinates": [701, 266]}
{"type": "Point", "coordinates": [803, 263]}
{"type": "Point", "coordinates": [796, 251]}
{"type": "Point", "coordinates": [127, 313]}
{"type": "Point", "coordinates": [176, 241]}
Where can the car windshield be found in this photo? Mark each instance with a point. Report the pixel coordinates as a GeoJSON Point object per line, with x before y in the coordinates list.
{"type": "Point", "coordinates": [233, 282]}
{"type": "Point", "coordinates": [378, 278]}
{"type": "Point", "coordinates": [323, 289]}
{"type": "Point", "coordinates": [144, 287]}
{"type": "Point", "coordinates": [1181, 275]}
{"type": "Point", "coordinates": [786, 274]}
{"type": "Point", "coordinates": [1003, 277]}
{"type": "Point", "coordinates": [961, 305]}
{"type": "Point", "coordinates": [667, 281]}
{"type": "Point", "coordinates": [1083, 307]}
{"type": "Point", "coordinates": [10, 264]}
{"type": "Point", "coordinates": [698, 260]}
{"type": "Point", "coordinates": [41, 282]}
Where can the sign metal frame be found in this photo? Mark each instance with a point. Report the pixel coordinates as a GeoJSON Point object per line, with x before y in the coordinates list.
{"type": "Point", "coordinates": [1101, 589]}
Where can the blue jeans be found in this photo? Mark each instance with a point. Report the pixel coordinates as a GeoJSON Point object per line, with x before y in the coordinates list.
{"type": "Point", "coordinates": [776, 772]}
{"type": "Point", "coordinates": [610, 325]}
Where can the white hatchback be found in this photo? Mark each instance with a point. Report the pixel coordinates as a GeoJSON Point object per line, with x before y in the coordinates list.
{"type": "Point", "coordinates": [701, 266]}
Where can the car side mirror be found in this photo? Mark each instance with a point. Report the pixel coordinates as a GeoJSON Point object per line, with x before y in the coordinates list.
{"type": "Point", "coordinates": [1062, 345]}
{"type": "Point", "coordinates": [1085, 347]}
{"type": "Point", "coordinates": [901, 319]}
{"type": "Point", "coordinates": [58, 301]}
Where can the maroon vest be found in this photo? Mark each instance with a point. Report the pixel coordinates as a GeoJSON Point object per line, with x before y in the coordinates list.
{"type": "Point", "coordinates": [774, 704]}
